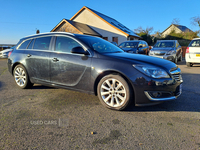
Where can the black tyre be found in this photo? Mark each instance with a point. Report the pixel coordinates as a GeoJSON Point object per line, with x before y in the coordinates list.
{"type": "Point", "coordinates": [181, 58]}
{"type": "Point", "coordinates": [189, 64]}
{"type": "Point", "coordinates": [175, 60]}
{"type": "Point", "coordinates": [114, 92]}
{"type": "Point", "coordinates": [21, 77]}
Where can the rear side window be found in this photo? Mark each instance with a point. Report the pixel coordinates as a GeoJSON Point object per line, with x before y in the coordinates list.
{"type": "Point", "coordinates": [42, 43]}
{"type": "Point", "coordinates": [195, 43]}
{"type": "Point", "coordinates": [65, 44]}
{"type": "Point", "coordinates": [24, 44]}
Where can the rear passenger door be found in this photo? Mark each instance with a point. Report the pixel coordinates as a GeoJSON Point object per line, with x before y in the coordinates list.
{"type": "Point", "coordinates": [37, 59]}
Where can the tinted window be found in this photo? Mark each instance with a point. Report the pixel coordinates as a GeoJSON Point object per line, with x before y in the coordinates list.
{"type": "Point", "coordinates": [100, 45]}
{"type": "Point", "coordinates": [165, 44]}
{"type": "Point", "coordinates": [42, 43]}
{"type": "Point", "coordinates": [195, 43]}
{"type": "Point", "coordinates": [24, 44]}
{"type": "Point", "coordinates": [140, 44]}
{"type": "Point", "coordinates": [129, 45]}
{"type": "Point", "coordinates": [31, 45]}
{"type": "Point", "coordinates": [65, 44]}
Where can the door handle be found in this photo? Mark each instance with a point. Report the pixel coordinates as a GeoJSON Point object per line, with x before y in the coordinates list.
{"type": "Point", "coordinates": [55, 59]}
{"type": "Point", "coordinates": [29, 55]}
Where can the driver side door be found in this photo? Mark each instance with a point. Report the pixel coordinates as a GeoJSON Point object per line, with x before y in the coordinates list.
{"type": "Point", "coordinates": [69, 69]}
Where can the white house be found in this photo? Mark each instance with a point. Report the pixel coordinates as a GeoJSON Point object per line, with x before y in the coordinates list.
{"type": "Point", "coordinates": [96, 24]}
{"type": "Point", "coordinates": [176, 28]}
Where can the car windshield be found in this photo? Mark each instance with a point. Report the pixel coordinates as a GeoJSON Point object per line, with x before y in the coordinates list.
{"type": "Point", "coordinates": [100, 45]}
{"type": "Point", "coordinates": [129, 45]}
{"type": "Point", "coordinates": [164, 44]}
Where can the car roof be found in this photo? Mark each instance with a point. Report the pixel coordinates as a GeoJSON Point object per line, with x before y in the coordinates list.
{"type": "Point", "coordinates": [52, 33]}
{"type": "Point", "coordinates": [166, 40]}
{"type": "Point", "coordinates": [196, 39]}
{"type": "Point", "coordinates": [134, 41]}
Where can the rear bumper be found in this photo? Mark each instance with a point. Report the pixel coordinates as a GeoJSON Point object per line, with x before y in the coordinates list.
{"type": "Point", "coordinates": [190, 59]}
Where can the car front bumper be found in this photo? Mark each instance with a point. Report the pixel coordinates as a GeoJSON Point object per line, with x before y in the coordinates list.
{"type": "Point", "coordinates": [167, 57]}
{"type": "Point", "coordinates": [148, 91]}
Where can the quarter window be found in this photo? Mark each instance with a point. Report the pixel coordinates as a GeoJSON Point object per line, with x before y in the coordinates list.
{"type": "Point", "coordinates": [65, 44]}
{"type": "Point", "coordinates": [42, 43]}
{"type": "Point", "coordinates": [24, 44]}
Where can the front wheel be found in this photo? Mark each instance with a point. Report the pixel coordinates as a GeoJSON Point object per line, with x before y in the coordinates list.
{"type": "Point", "coordinates": [175, 60]}
{"type": "Point", "coordinates": [181, 58]}
{"type": "Point", "coordinates": [21, 77]}
{"type": "Point", "coordinates": [114, 92]}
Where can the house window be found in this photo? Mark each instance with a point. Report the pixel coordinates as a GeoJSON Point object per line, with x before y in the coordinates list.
{"type": "Point", "coordinates": [115, 39]}
{"type": "Point", "coordinates": [105, 38]}
{"type": "Point", "coordinates": [131, 38]}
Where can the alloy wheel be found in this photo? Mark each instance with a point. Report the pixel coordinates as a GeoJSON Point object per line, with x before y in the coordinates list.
{"type": "Point", "coordinates": [20, 76]}
{"type": "Point", "coordinates": [113, 92]}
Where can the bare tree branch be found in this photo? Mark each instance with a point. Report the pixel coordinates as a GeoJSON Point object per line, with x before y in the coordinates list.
{"type": "Point", "coordinates": [195, 21]}
{"type": "Point", "coordinates": [176, 21]}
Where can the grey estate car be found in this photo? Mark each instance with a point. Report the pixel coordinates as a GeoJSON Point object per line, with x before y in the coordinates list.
{"type": "Point", "coordinates": [93, 65]}
{"type": "Point", "coordinates": [167, 49]}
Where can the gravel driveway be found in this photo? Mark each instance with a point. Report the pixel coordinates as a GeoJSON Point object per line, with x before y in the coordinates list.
{"type": "Point", "coordinates": [50, 118]}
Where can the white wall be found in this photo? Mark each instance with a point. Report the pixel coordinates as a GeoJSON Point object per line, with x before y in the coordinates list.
{"type": "Point", "coordinates": [100, 26]}
{"type": "Point", "coordinates": [168, 31]}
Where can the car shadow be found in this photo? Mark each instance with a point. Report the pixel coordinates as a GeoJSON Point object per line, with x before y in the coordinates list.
{"type": "Point", "coordinates": [38, 86]}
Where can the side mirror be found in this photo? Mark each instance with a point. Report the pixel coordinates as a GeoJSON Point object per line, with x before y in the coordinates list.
{"type": "Point", "coordinates": [79, 50]}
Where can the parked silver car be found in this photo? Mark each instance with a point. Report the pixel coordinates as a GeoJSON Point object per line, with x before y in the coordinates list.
{"type": "Point", "coordinates": [167, 49]}
{"type": "Point", "coordinates": [4, 53]}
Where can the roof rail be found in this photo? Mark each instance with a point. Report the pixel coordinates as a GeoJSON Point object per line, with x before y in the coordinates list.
{"type": "Point", "coordinates": [50, 33]}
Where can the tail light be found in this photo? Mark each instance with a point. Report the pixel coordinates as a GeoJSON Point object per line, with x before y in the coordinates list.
{"type": "Point", "coordinates": [187, 50]}
{"type": "Point", "coordinates": [9, 53]}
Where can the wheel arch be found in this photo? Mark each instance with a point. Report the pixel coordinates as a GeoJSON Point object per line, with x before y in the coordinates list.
{"type": "Point", "coordinates": [103, 74]}
{"type": "Point", "coordinates": [15, 64]}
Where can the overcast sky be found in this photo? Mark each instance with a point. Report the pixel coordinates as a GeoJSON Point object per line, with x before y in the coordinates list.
{"type": "Point", "coordinates": [19, 18]}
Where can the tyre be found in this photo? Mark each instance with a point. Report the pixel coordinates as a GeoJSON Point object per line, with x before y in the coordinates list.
{"type": "Point", "coordinates": [181, 58]}
{"type": "Point", "coordinates": [189, 64]}
{"type": "Point", "coordinates": [175, 60]}
{"type": "Point", "coordinates": [21, 77]}
{"type": "Point", "coordinates": [114, 92]}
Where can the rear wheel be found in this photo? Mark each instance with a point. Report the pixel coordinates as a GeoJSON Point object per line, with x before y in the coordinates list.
{"type": "Point", "coordinates": [114, 92]}
{"type": "Point", "coordinates": [189, 64]}
{"type": "Point", "coordinates": [21, 77]}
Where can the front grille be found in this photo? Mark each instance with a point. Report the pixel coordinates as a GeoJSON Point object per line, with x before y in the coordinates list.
{"type": "Point", "coordinates": [177, 75]}
{"type": "Point", "coordinates": [159, 53]}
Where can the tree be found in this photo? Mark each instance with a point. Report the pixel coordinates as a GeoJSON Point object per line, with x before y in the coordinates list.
{"type": "Point", "coordinates": [195, 20]}
{"type": "Point", "coordinates": [147, 31]}
{"type": "Point", "coordinates": [176, 21]}
{"type": "Point", "coordinates": [145, 34]}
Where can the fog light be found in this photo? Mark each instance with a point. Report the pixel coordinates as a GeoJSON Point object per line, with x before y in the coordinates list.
{"type": "Point", "coordinates": [157, 94]}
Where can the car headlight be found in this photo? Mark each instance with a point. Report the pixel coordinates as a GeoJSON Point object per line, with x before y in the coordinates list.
{"type": "Point", "coordinates": [171, 52]}
{"type": "Point", "coordinates": [152, 71]}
